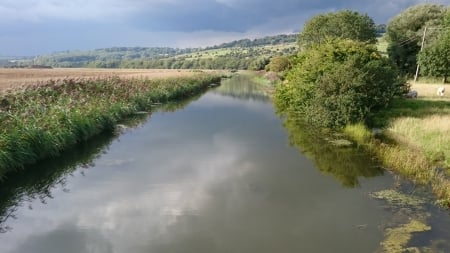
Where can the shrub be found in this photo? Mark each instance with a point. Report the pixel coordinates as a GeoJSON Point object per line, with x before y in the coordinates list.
{"type": "Point", "coordinates": [279, 64]}
{"type": "Point", "coordinates": [339, 82]}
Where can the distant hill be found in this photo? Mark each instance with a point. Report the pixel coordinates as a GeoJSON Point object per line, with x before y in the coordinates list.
{"type": "Point", "coordinates": [239, 54]}
{"type": "Point", "coordinates": [265, 41]}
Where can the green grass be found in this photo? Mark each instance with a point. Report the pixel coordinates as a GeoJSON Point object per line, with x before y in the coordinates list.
{"type": "Point", "coordinates": [415, 142]}
{"type": "Point", "coordinates": [41, 121]}
{"type": "Point", "coordinates": [382, 45]}
{"type": "Point", "coordinates": [418, 108]}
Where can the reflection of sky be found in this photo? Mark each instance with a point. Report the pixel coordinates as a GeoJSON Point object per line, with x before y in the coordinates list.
{"type": "Point", "coordinates": [217, 176]}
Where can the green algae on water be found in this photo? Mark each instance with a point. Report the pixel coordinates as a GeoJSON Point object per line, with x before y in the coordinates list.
{"type": "Point", "coordinates": [409, 217]}
{"type": "Point", "coordinates": [398, 199]}
{"type": "Point", "coordinates": [396, 239]}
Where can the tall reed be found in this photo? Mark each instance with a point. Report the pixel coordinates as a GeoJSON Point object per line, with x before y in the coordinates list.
{"type": "Point", "coordinates": [42, 120]}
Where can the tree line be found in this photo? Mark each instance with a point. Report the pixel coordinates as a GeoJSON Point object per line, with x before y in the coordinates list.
{"type": "Point", "coordinates": [239, 54]}
{"type": "Point", "coordinates": [338, 77]}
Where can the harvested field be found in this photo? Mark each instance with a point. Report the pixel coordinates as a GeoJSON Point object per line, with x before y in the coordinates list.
{"type": "Point", "coordinates": [15, 78]}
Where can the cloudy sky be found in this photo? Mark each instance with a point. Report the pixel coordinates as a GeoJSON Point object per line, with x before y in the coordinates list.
{"type": "Point", "coordinates": [31, 27]}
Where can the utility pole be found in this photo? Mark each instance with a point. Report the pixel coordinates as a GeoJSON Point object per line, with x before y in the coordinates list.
{"type": "Point", "coordinates": [421, 47]}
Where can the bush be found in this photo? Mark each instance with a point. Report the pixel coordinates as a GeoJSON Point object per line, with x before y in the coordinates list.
{"type": "Point", "coordinates": [279, 64]}
{"type": "Point", "coordinates": [339, 82]}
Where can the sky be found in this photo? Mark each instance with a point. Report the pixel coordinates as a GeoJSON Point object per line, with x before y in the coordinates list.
{"type": "Point", "coordinates": [35, 27]}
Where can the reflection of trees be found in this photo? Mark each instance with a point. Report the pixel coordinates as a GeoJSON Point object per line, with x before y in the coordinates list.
{"type": "Point", "coordinates": [346, 164]}
{"type": "Point", "coordinates": [241, 86]}
{"type": "Point", "coordinates": [173, 106]}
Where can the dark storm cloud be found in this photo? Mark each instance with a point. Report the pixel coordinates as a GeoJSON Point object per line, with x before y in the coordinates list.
{"type": "Point", "coordinates": [188, 17]}
{"type": "Point", "coordinates": [240, 16]}
{"type": "Point", "coordinates": [31, 27]}
{"type": "Point", "coordinates": [237, 16]}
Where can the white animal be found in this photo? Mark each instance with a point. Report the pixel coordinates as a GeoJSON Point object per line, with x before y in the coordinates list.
{"type": "Point", "coordinates": [440, 91]}
{"type": "Point", "coordinates": [412, 94]}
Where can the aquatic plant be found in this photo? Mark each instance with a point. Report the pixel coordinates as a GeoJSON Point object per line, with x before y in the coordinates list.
{"type": "Point", "coordinates": [397, 238]}
{"type": "Point", "coordinates": [41, 120]}
{"type": "Point", "coordinates": [409, 217]}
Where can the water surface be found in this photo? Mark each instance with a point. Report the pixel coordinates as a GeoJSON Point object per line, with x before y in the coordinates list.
{"type": "Point", "coordinates": [220, 174]}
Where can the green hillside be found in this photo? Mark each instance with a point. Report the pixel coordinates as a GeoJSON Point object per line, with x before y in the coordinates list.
{"type": "Point", "coordinates": [239, 54]}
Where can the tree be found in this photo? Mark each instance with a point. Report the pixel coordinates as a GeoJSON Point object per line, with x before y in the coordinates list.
{"type": "Point", "coordinates": [339, 82]}
{"type": "Point", "coordinates": [279, 63]}
{"type": "Point", "coordinates": [404, 34]}
{"type": "Point", "coordinates": [380, 29]}
{"type": "Point", "coordinates": [344, 24]}
{"type": "Point", "coordinates": [435, 59]}
{"type": "Point", "coordinates": [258, 63]}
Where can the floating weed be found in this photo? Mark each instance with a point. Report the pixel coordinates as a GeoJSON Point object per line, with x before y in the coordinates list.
{"type": "Point", "coordinates": [398, 199]}
{"type": "Point", "coordinates": [397, 239]}
{"type": "Point", "coordinates": [409, 217]}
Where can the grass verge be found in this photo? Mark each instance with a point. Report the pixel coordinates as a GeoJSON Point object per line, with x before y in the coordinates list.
{"type": "Point", "coordinates": [407, 160]}
{"type": "Point", "coordinates": [40, 121]}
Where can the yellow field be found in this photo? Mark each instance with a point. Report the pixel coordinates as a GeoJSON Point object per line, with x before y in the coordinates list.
{"type": "Point", "coordinates": [15, 78]}
{"type": "Point", "coordinates": [428, 91]}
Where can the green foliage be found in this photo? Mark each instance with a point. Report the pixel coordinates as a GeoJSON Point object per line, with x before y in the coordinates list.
{"type": "Point", "coordinates": [268, 40]}
{"type": "Point", "coordinates": [339, 82]}
{"type": "Point", "coordinates": [279, 64]}
{"type": "Point", "coordinates": [435, 59]}
{"type": "Point", "coordinates": [258, 64]}
{"type": "Point", "coordinates": [240, 54]}
{"type": "Point", "coordinates": [41, 121]}
{"type": "Point", "coordinates": [344, 24]}
{"type": "Point", "coordinates": [345, 163]}
{"type": "Point", "coordinates": [404, 33]}
{"type": "Point", "coordinates": [403, 55]}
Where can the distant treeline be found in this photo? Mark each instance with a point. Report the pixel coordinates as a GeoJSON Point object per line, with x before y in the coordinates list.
{"type": "Point", "coordinates": [240, 54]}
{"type": "Point", "coordinates": [269, 40]}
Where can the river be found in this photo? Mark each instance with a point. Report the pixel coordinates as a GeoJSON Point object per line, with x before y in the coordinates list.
{"type": "Point", "coordinates": [219, 173]}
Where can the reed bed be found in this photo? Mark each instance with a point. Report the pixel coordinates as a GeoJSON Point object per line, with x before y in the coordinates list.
{"type": "Point", "coordinates": [39, 121]}
{"type": "Point", "coordinates": [12, 78]}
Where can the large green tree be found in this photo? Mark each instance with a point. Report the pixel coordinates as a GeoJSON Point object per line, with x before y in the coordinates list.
{"type": "Point", "coordinates": [338, 82]}
{"type": "Point", "coordinates": [405, 31]}
{"type": "Point", "coordinates": [344, 24]}
{"type": "Point", "coordinates": [435, 58]}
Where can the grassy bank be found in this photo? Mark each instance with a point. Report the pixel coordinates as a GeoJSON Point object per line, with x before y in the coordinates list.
{"type": "Point", "coordinates": [40, 121]}
{"type": "Point", "coordinates": [415, 142]}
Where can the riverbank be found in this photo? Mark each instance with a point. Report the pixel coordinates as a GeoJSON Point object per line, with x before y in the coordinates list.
{"type": "Point", "coordinates": [413, 140]}
{"type": "Point", "coordinates": [39, 121]}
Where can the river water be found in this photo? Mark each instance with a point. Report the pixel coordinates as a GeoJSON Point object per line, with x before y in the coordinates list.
{"type": "Point", "coordinates": [220, 173]}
